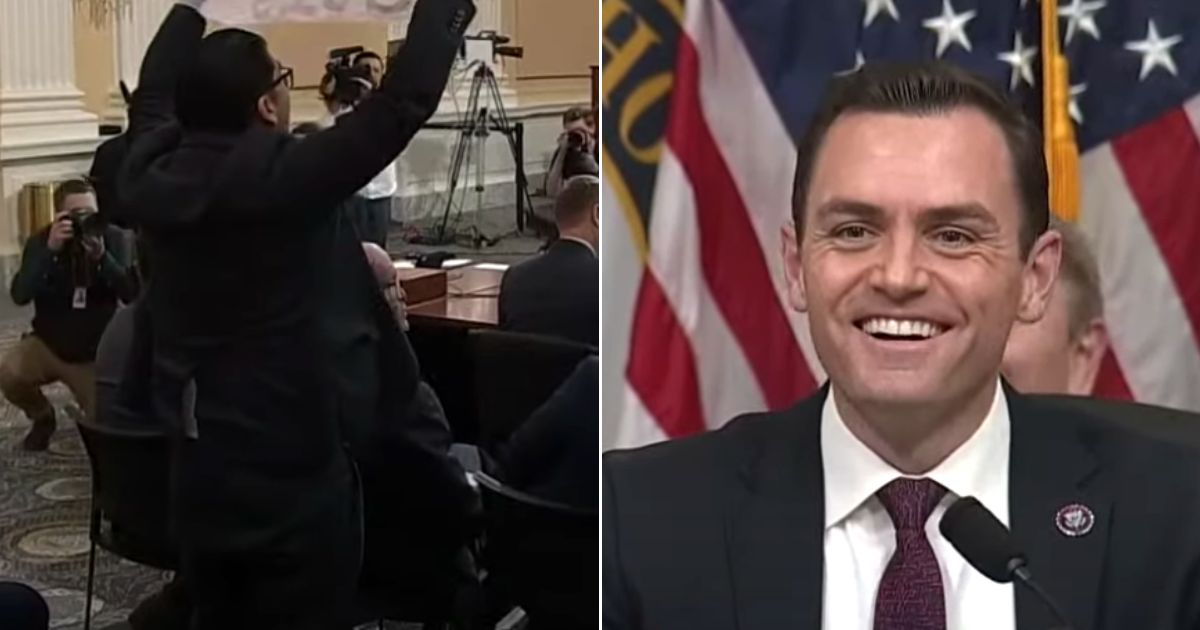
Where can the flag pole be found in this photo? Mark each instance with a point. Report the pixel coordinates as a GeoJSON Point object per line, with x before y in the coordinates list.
{"type": "Point", "coordinates": [1062, 154]}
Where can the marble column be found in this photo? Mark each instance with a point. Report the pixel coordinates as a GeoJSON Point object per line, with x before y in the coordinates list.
{"type": "Point", "coordinates": [41, 109]}
{"type": "Point", "coordinates": [135, 26]}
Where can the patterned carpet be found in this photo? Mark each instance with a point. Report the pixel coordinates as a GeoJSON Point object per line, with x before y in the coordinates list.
{"type": "Point", "coordinates": [44, 500]}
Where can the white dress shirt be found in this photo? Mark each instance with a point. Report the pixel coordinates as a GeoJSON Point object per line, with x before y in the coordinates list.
{"type": "Point", "coordinates": [860, 537]}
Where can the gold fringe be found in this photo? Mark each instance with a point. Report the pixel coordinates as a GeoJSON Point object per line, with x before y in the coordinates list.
{"type": "Point", "coordinates": [101, 12]}
{"type": "Point", "coordinates": [1062, 154]}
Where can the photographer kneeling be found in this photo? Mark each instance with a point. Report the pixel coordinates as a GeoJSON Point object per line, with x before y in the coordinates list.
{"type": "Point", "coordinates": [74, 271]}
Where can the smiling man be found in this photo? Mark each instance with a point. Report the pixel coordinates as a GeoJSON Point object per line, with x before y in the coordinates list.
{"type": "Point", "coordinates": [920, 213]}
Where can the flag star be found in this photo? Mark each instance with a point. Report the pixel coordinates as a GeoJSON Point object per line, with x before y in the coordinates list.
{"type": "Point", "coordinates": [951, 27]}
{"type": "Point", "coordinates": [1081, 16]}
{"type": "Point", "coordinates": [875, 7]}
{"type": "Point", "coordinates": [1021, 60]}
{"type": "Point", "coordinates": [1155, 50]}
{"type": "Point", "coordinates": [1073, 107]}
{"type": "Point", "coordinates": [858, 63]}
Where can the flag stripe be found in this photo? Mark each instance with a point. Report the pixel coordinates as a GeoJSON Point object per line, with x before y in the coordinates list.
{"type": "Point", "coordinates": [1160, 160]}
{"type": "Point", "coordinates": [727, 385]}
{"type": "Point", "coordinates": [732, 259]}
{"type": "Point", "coordinates": [1110, 381]}
{"type": "Point", "coordinates": [760, 158]}
{"type": "Point", "coordinates": [1160, 369]}
{"type": "Point", "coordinates": [671, 395]}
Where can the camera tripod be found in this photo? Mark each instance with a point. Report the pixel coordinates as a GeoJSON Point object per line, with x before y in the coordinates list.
{"type": "Point", "coordinates": [475, 127]}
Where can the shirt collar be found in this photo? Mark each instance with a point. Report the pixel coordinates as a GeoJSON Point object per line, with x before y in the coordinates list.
{"type": "Point", "coordinates": [581, 241]}
{"type": "Point", "coordinates": [854, 473]}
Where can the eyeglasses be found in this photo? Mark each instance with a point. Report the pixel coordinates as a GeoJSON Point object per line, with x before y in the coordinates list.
{"type": "Point", "coordinates": [287, 77]}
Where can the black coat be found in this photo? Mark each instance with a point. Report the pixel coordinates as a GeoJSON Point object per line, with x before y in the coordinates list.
{"type": "Point", "coordinates": [555, 294]}
{"type": "Point", "coordinates": [261, 296]}
{"type": "Point", "coordinates": [726, 530]}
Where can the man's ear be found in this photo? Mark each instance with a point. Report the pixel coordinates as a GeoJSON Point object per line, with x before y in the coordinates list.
{"type": "Point", "coordinates": [1087, 353]}
{"type": "Point", "coordinates": [1039, 277]}
{"type": "Point", "coordinates": [596, 215]}
{"type": "Point", "coordinates": [793, 267]}
{"type": "Point", "coordinates": [268, 110]}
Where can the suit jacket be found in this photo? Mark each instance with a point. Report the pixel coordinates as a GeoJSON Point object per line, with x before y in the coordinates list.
{"type": "Point", "coordinates": [553, 454]}
{"type": "Point", "coordinates": [726, 530]}
{"type": "Point", "coordinates": [262, 298]}
{"type": "Point", "coordinates": [555, 294]}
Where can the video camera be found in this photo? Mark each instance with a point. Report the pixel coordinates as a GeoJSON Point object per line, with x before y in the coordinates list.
{"type": "Point", "coordinates": [349, 82]}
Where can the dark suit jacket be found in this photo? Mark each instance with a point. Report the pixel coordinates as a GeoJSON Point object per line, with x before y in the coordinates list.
{"type": "Point", "coordinates": [553, 454]}
{"type": "Point", "coordinates": [555, 294]}
{"type": "Point", "coordinates": [262, 297]}
{"type": "Point", "coordinates": [726, 530]}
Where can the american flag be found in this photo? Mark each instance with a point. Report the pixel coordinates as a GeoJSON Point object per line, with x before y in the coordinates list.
{"type": "Point", "coordinates": [703, 105]}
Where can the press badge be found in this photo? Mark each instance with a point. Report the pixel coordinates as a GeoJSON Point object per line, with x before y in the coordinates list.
{"type": "Point", "coordinates": [80, 299]}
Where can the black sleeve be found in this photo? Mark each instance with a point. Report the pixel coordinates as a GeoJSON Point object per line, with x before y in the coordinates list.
{"type": "Point", "coordinates": [329, 166]}
{"type": "Point", "coordinates": [177, 40]}
{"type": "Point", "coordinates": [36, 262]}
{"type": "Point", "coordinates": [615, 613]}
{"type": "Point", "coordinates": [115, 267]}
{"type": "Point", "coordinates": [532, 450]}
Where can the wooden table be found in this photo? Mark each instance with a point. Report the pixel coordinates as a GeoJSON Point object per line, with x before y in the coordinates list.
{"type": "Point", "coordinates": [472, 301]}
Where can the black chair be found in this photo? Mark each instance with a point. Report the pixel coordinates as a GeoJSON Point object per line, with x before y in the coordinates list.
{"type": "Point", "coordinates": [541, 556]}
{"type": "Point", "coordinates": [513, 374]}
{"type": "Point", "coordinates": [130, 499]}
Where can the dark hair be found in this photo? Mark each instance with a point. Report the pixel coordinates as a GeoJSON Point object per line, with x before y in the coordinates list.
{"type": "Point", "coordinates": [221, 88]}
{"type": "Point", "coordinates": [64, 189]}
{"type": "Point", "coordinates": [578, 196]}
{"type": "Point", "coordinates": [923, 89]}
{"type": "Point", "coordinates": [367, 54]}
{"type": "Point", "coordinates": [573, 114]}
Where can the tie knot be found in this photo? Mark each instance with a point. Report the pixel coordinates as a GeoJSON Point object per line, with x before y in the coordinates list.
{"type": "Point", "coordinates": [910, 501]}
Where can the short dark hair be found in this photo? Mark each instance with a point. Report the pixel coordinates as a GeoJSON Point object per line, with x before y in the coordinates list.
{"type": "Point", "coordinates": [578, 196]}
{"type": "Point", "coordinates": [573, 114]}
{"type": "Point", "coordinates": [367, 54]}
{"type": "Point", "coordinates": [221, 88]}
{"type": "Point", "coordinates": [74, 186]}
{"type": "Point", "coordinates": [922, 89]}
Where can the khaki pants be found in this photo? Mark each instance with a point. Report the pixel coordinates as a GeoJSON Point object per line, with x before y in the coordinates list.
{"type": "Point", "coordinates": [31, 365]}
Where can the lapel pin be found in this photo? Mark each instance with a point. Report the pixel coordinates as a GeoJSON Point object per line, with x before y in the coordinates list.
{"type": "Point", "coordinates": [1075, 520]}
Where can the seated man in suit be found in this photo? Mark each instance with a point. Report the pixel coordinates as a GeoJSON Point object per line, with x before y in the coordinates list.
{"type": "Point", "coordinates": [920, 210]}
{"type": "Point", "coordinates": [552, 455]}
{"type": "Point", "coordinates": [558, 292]}
{"type": "Point", "coordinates": [1061, 352]}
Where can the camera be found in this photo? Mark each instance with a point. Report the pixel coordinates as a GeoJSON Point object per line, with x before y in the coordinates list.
{"type": "Point", "coordinates": [577, 139]}
{"type": "Point", "coordinates": [86, 224]}
{"type": "Point", "coordinates": [345, 82]}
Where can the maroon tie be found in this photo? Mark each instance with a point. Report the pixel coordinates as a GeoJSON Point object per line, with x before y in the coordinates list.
{"type": "Point", "coordinates": [910, 593]}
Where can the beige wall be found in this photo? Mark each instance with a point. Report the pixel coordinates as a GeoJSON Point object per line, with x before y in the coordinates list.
{"type": "Point", "coordinates": [305, 47]}
{"type": "Point", "coordinates": [95, 61]}
{"type": "Point", "coordinates": [560, 37]}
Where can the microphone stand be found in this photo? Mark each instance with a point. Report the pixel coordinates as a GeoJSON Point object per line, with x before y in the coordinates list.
{"type": "Point", "coordinates": [1022, 574]}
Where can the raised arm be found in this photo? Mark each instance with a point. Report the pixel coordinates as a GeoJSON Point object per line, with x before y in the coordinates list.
{"type": "Point", "coordinates": [153, 103]}
{"type": "Point", "coordinates": [327, 167]}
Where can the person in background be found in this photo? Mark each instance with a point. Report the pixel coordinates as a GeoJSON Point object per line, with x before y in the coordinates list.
{"type": "Point", "coordinates": [373, 64]}
{"type": "Point", "coordinates": [553, 454]}
{"type": "Point", "coordinates": [557, 292]}
{"type": "Point", "coordinates": [342, 90]}
{"type": "Point", "coordinates": [75, 280]}
{"type": "Point", "coordinates": [576, 150]}
{"type": "Point", "coordinates": [389, 282]}
{"type": "Point", "coordinates": [1061, 352]}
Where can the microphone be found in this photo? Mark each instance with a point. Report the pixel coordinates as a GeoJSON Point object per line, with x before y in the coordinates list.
{"type": "Point", "coordinates": [986, 544]}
